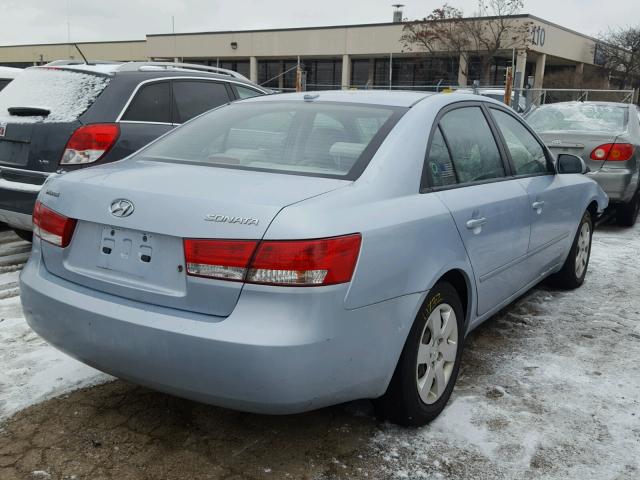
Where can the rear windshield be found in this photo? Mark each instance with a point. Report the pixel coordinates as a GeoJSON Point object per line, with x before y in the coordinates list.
{"type": "Point", "coordinates": [65, 94]}
{"type": "Point", "coordinates": [317, 139]}
{"type": "Point", "coordinates": [579, 117]}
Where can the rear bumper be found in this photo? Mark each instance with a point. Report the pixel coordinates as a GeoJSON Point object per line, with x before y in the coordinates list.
{"type": "Point", "coordinates": [278, 353]}
{"type": "Point", "coordinates": [18, 197]}
{"type": "Point", "coordinates": [619, 184]}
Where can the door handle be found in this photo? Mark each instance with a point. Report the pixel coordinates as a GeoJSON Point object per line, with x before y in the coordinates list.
{"type": "Point", "coordinates": [538, 206]}
{"type": "Point", "coordinates": [476, 224]}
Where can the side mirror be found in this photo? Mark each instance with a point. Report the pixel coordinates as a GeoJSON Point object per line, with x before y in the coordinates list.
{"type": "Point", "coordinates": [568, 163]}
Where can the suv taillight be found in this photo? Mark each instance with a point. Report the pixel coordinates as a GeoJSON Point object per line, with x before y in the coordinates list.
{"type": "Point", "coordinates": [89, 143]}
{"type": "Point", "coordinates": [301, 263]}
{"type": "Point", "coordinates": [617, 152]}
{"type": "Point", "coordinates": [51, 226]}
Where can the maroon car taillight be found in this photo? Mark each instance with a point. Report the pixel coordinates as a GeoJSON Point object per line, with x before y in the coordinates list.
{"type": "Point", "coordinates": [51, 226]}
{"type": "Point", "coordinates": [89, 143]}
{"type": "Point", "coordinates": [302, 263]}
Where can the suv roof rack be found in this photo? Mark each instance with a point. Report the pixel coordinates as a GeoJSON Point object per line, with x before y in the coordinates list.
{"type": "Point", "coordinates": [61, 63]}
{"type": "Point", "coordinates": [151, 66]}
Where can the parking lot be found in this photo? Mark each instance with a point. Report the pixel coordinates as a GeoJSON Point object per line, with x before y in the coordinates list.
{"type": "Point", "coordinates": [549, 388]}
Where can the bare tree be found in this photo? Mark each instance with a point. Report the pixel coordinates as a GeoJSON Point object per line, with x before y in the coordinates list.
{"type": "Point", "coordinates": [619, 53]}
{"type": "Point", "coordinates": [484, 36]}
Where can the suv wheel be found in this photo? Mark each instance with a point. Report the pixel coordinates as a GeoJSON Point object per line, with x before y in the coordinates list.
{"type": "Point", "coordinates": [24, 234]}
{"type": "Point", "coordinates": [428, 367]}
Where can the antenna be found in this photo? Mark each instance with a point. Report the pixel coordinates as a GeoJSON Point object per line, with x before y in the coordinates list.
{"type": "Point", "coordinates": [81, 54]}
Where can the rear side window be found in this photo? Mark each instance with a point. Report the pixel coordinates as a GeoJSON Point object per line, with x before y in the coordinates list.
{"type": "Point", "coordinates": [4, 83]}
{"type": "Point", "coordinates": [312, 139]}
{"type": "Point", "coordinates": [191, 98]}
{"type": "Point", "coordinates": [439, 162]}
{"type": "Point", "coordinates": [244, 92]}
{"type": "Point", "coordinates": [473, 149]}
{"type": "Point", "coordinates": [151, 104]}
{"type": "Point", "coordinates": [526, 153]}
{"type": "Point", "coordinates": [66, 94]}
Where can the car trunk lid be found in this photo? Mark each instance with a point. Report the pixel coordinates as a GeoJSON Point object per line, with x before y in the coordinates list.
{"type": "Point", "coordinates": [141, 256]}
{"type": "Point", "coordinates": [580, 144]}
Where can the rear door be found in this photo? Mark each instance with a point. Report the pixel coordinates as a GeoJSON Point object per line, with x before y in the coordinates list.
{"type": "Point", "coordinates": [467, 169]}
{"type": "Point", "coordinates": [552, 197]}
{"type": "Point", "coordinates": [146, 117]}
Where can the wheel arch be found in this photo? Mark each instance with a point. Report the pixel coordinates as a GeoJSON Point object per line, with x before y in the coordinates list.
{"type": "Point", "coordinates": [461, 282]}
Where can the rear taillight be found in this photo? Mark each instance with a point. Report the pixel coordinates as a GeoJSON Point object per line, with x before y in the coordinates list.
{"type": "Point", "coordinates": [89, 143]}
{"type": "Point", "coordinates": [616, 152]}
{"type": "Point", "coordinates": [221, 259]}
{"type": "Point", "coordinates": [51, 226]}
{"type": "Point", "coordinates": [302, 263]}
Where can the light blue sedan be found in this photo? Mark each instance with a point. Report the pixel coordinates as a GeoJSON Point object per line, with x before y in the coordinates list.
{"type": "Point", "coordinates": [285, 253]}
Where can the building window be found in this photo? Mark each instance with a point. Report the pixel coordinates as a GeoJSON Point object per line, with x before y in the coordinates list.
{"type": "Point", "coordinates": [240, 66]}
{"type": "Point", "coordinates": [360, 72]}
{"type": "Point", "coordinates": [323, 74]}
{"type": "Point", "coordinates": [271, 74]}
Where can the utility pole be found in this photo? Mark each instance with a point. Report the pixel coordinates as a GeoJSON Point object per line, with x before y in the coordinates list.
{"type": "Point", "coordinates": [68, 29]}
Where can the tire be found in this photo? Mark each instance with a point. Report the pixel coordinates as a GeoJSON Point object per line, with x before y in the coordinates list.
{"type": "Point", "coordinates": [419, 390]}
{"type": "Point", "coordinates": [24, 234]}
{"type": "Point", "coordinates": [627, 214]}
{"type": "Point", "coordinates": [575, 267]}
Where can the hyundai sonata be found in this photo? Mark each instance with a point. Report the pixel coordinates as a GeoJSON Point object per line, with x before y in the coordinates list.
{"type": "Point", "coordinates": [290, 252]}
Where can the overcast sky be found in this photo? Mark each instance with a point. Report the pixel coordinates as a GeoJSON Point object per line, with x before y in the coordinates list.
{"type": "Point", "coordinates": [45, 21]}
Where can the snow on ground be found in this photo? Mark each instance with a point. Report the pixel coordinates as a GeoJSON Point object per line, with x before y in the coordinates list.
{"type": "Point", "coordinates": [549, 388]}
{"type": "Point", "coordinates": [31, 370]}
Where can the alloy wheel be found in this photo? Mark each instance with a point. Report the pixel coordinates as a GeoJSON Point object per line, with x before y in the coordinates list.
{"type": "Point", "coordinates": [583, 248]}
{"type": "Point", "coordinates": [437, 353]}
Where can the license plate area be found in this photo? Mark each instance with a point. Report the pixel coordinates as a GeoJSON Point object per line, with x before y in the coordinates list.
{"type": "Point", "coordinates": [126, 251]}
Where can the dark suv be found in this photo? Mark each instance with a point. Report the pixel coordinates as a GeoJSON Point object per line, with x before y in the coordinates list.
{"type": "Point", "coordinates": [62, 117]}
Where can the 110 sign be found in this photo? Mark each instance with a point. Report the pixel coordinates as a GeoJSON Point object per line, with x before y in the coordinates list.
{"type": "Point", "coordinates": [538, 36]}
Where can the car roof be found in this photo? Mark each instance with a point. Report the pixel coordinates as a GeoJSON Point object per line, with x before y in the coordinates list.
{"type": "Point", "coordinates": [372, 97]}
{"type": "Point", "coordinates": [9, 72]}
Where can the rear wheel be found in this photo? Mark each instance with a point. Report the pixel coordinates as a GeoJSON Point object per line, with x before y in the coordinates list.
{"type": "Point", "coordinates": [575, 266]}
{"type": "Point", "coordinates": [24, 234]}
{"type": "Point", "coordinates": [627, 214]}
{"type": "Point", "coordinates": [428, 367]}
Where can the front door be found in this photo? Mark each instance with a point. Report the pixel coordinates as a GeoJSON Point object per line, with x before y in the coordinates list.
{"type": "Point", "coordinates": [552, 198]}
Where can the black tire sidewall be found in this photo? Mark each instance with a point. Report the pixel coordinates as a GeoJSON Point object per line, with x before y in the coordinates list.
{"type": "Point", "coordinates": [416, 411]}
{"type": "Point", "coordinates": [574, 250]}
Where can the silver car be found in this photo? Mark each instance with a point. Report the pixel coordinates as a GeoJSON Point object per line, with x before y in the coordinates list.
{"type": "Point", "coordinates": [607, 136]}
{"type": "Point", "coordinates": [289, 252]}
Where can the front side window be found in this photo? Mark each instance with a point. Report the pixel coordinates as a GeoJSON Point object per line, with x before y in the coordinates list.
{"type": "Point", "coordinates": [473, 149]}
{"type": "Point", "coordinates": [526, 153]}
{"type": "Point", "coordinates": [290, 137]}
{"type": "Point", "coordinates": [193, 97]}
{"type": "Point", "coordinates": [151, 104]}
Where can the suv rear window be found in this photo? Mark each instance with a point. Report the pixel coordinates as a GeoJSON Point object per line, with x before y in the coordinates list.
{"type": "Point", "coordinates": [576, 117]}
{"type": "Point", "coordinates": [332, 139]}
{"type": "Point", "coordinates": [66, 94]}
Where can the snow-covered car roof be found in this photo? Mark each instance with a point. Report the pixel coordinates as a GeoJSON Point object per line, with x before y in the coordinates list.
{"type": "Point", "coordinates": [9, 72]}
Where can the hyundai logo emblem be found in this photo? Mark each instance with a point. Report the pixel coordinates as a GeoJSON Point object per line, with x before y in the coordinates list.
{"type": "Point", "coordinates": [121, 208]}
